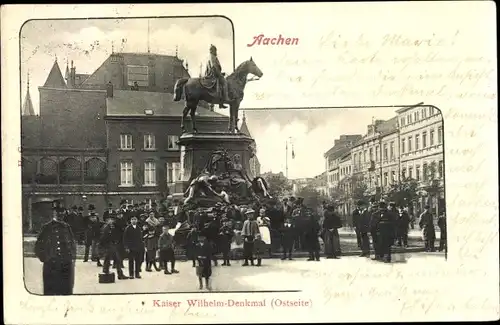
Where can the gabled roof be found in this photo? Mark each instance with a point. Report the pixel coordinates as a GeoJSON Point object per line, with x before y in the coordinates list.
{"type": "Point", "coordinates": [55, 78]}
{"type": "Point", "coordinates": [134, 103]}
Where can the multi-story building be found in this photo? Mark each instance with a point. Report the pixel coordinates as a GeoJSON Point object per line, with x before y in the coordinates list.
{"type": "Point", "coordinates": [70, 150]}
{"type": "Point", "coordinates": [345, 204]}
{"type": "Point", "coordinates": [332, 159]}
{"type": "Point", "coordinates": [421, 152]}
{"type": "Point", "coordinates": [389, 163]}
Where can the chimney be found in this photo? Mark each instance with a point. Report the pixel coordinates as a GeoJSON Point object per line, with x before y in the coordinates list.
{"type": "Point", "coordinates": [73, 75]}
{"type": "Point", "coordinates": [109, 90]}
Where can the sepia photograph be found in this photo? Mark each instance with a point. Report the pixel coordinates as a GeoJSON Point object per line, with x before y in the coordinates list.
{"type": "Point", "coordinates": [144, 172]}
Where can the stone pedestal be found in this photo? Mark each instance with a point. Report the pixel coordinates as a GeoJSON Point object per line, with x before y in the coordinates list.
{"type": "Point", "coordinates": [196, 150]}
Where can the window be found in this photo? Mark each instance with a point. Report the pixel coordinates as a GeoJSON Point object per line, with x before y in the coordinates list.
{"type": "Point", "coordinates": [385, 151]}
{"type": "Point", "coordinates": [354, 158]}
{"type": "Point", "coordinates": [440, 135]}
{"type": "Point", "coordinates": [403, 145]}
{"type": "Point", "coordinates": [393, 177]}
{"type": "Point", "coordinates": [409, 144]}
{"type": "Point", "coordinates": [137, 74]}
{"type": "Point", "coordinates": [424, 113]}
{"type": "Point", "coordinates": [172, 142]}
{"type": "Point", "coordinates": [371, 154]}
{"type": "Point", "coordinates": [125, 141]}
{"type": "Point", "coordinates": [174, 172]}
{"type": "Point", "coordinates": [416, 116]}
{"type": "Point", "coordinates": [126, 176]}
{"type": "Point", "coordinates": [431, 111]}
{"type": "Point", "coordinates": [431, 137]}
{"type": "Point", "coordinates": [417, 142]}
{"type": "Point", "coordinates": [403, 173]}
{"type": "Point", "coordinates": [402, 122]}
{"type": "Point", "coordinates": [424, 140]}
{"type": "Point", "coordinates": [410, 172]}
{"type": "Point", "coordinates": [417, 172]}
{"type": "Point", "coordinates": [386, 178]}
{"type": "Point", "coordinates": [440, 169]}
{"type": "Point", "coordinates": [149, 142]}
{"type": "Point", "coordinates": [150, 173]}
{"type": "Point", "coordinates": [149, 203]}
{"type": "Point", "coordinates": [392, 150]}
{"type": "Point", "coordinates": [425, 171]}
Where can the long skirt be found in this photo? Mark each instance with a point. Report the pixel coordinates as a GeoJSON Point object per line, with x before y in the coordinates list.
{"type": "Point", "coordinates": [265, 235]}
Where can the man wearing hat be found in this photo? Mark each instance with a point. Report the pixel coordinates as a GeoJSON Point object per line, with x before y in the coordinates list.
{"type": "Point", "coordinates": [108, 212]}
{"type": "Point", "coordinates": [385, 231]}
{"type": "Point", "coordinates": [92, 235]}
{"type": "Point", "coordinates": [373, 212]}
{"type": "Point", "coordinates": [110, 245]}
{"type": "Point", "coordinates": [55, 247]}
{"type": "Point", "coordinates": [427, 224]}
{"type": "Point", "coordinates": [248, 232]}
{"type": "Point", "coordinates": [361, 222]}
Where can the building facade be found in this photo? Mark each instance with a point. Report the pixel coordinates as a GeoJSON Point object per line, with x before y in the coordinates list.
{"type": "Point", "coordinates": [79, 148]}
{"type": "Point", "coordinates": [345, 203]}
{"type": "Point", "coordinates": [332, 159]}
{"type": "Point", "coordinates": [421, 153]}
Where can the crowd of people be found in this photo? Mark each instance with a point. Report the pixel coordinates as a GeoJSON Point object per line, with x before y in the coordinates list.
{"type": "Point", "coordinates": [148, 235]}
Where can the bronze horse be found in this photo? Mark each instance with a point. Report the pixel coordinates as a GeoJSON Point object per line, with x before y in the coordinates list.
{"type": "Point", "coordinates": [194, 92]}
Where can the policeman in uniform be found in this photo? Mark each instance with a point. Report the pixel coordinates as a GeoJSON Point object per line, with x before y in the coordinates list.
{"type": "Point", "coordinates": [214, 70]}
{"type": "Point", "coordinates": [55, 247]}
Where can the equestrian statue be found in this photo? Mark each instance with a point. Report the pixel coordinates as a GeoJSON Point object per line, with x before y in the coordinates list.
{"type": "Point", "coordinates": [215, 88]}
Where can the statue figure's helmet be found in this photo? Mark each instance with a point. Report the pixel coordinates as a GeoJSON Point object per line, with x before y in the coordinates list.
{"type": "Point", "coordinates": [213, 49]}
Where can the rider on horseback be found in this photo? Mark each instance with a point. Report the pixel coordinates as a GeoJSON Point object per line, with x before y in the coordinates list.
{"type": "Point", "coordinates": [214, 70]}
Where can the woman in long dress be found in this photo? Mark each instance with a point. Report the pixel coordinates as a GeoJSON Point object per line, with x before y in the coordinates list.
{"type": "Point", "coordinates": [263, 223]}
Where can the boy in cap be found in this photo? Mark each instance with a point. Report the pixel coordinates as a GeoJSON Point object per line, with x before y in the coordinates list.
{"type": "Point", "coordinates": [192, 240]}
{"type": "Point", "coordinates": [226, 237]}
{"type": "Point", "coordinates": [167, 252]}
{"type": "Point", "coordinates": [151, 244]}
{"type": "Point", "coordinates": [92, 234]}
{"type": "Point", "coordinates": [204, 258]}
{"type": "Point", "coordinates": [287, 238]}
{"type": "Point", "coordinates": [132, 239]}
{"type": "Point", "coordinates": [249, 231]}
{"type": "Point", "coordinates": [259, 247]}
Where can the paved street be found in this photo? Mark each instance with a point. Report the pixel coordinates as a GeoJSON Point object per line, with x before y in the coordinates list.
{"type": "Point", "coordinates": [273, 275]}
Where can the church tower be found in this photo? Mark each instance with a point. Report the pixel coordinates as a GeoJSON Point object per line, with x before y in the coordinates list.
{"type": "Point", "coordinates": [28, 109]}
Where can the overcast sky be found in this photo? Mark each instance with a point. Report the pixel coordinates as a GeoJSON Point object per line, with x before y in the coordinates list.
{"type": "Point", "coordinates": [88, 43]}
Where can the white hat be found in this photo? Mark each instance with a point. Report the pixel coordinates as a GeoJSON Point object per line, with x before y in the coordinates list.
{"type": "Point", "coordinates": [249, 211]}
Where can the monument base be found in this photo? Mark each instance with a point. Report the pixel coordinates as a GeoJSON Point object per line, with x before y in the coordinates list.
{"type": "Point", "coordinates": [197, 148]}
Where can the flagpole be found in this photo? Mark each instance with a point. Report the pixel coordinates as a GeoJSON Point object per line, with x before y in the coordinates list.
{"type": "Point", "coordinates": [286, 158]}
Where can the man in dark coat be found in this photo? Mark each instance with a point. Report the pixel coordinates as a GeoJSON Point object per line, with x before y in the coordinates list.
{"type": "Point", "coordinates": [427, 224]}
{"type": "Point", "coordinates": [106, 214]}
{"type": "Point", "coordinates": [311, 234]}
{"type": "Point", "coordinates": [402, 225]}
{"type": "Point", "coordinates": [442, 227]}
{"type": "Point", "coordinates": [287, 238]}
{"type": "Point", "coordinates": [331, 223]}
{"type": "Point", "coordinates": [55, 247]}
{"type": "Point", "coordinates": [374, 219]}
{"type": "Point", "coordinates": [110, 241]}
{"type": "Point", "coordinates": [92, 235]}
{"type": "Point", "coordinates": [132, 239]}
{"type": "Point", "coordinates": [385, 231]}
{"type": "Point", "coordinates": [361, 221]}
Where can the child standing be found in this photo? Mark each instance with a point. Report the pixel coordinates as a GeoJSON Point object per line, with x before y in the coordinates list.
{"type": "Point", "coordinates": [226, 237]}
{"type": "Point", "coordinates": [166, 247]}
{"type": "Point", "coordinates": [151, 243]}
{"type": "Point", "coordinates": [204, 258]}
{"type": "Point", "coordinates": [259, 247]}
{"type": "Point", "coordinates": [192, 240]}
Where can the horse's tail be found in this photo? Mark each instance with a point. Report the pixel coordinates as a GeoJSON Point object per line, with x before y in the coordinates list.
{"type": "Point", "coordinates": [179, 89]}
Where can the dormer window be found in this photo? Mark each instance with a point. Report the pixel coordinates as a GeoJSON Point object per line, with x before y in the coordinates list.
{"type": "Point", "coordinates": [137, 75]}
